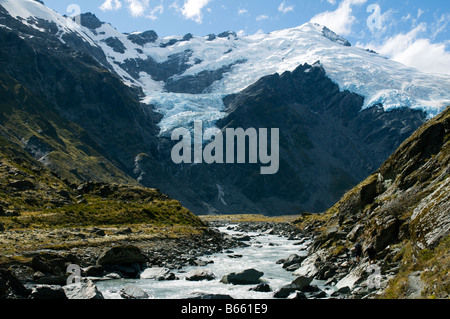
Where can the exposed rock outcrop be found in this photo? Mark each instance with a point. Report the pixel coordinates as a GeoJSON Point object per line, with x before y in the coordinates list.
{"type": "Point", "coordinates": [403, 211]}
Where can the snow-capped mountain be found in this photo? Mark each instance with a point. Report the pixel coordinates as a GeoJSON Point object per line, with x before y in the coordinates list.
{"type": "Point", "coordinates": [218, 65]}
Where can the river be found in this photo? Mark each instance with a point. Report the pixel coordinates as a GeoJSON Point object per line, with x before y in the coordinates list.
{"type": "Point", "coordinates": [263, 252]}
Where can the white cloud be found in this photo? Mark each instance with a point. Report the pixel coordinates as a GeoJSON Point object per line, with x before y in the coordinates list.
{"type": "Point", "coordinates": [137, 7]}
{"type": "Point", "coordinates": [110, 5]}
{"type": "Point", "coordinates": [241, 33]}
{"type": "Point", "coordinates": [407, 17]}
{"type": "Point", "coordinates": [156, 10]}
{"type": "Point", "coordinates": [414, 18]}
{"type": "Point", "coordinates": [341, 20]}
{"type": "Point", "coordinates": [242, 11]}
{"type": "Point", "coordinates": [285, 9]}
{"type": "Point", "coordinates": [262, 17]}
{"type": "Point", "coordinates": [419, 13]}
{"type": "Point", "coordinates": [192, 9]}
{"type": "Point", "coordinates": [413, 50]}
{"type": "Point", "coordinates": [440, 25]}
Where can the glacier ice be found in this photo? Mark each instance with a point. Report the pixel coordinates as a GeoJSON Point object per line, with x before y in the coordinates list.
{"type": "Point", "coordinates": [182, 110]}
{"type": "Point", "coordinates": [376, 78]}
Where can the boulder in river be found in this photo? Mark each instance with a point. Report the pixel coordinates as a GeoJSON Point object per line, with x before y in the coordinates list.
{"type": "Point", "coordinates": [292, 260]}
{"type": "Point", "coordinates": [83, 290]}
{"type": "Point", "coordinates": [344, 290]}
{"type": "Point", "coordinates": [128, 271]}
{"type": "Point", "coordinates": [122, 255]}
{"type": "Point", "coordinates": [158, 273]}
{"type": "Point", "coordinates": [60, 280]}
{"type": "Point", "coordinates": [93, 271]}
{"type": "Point", "coordinates": [308, 267]}
{"type": "Point", "coordinates": [154, 273]}
{"type": "Point", "coordinates": [298, 284]}
{"type": "Point", "coordinates": [262, 288]}
{"type": "Point", "coordinates": [293, 267]}
{"type": "Point", "coordinates": [199, 275]}
{"type": "Point", "coordinates": [246, 277]}
{"type": "Point", "coordinates": [133, 292]}
{"type": "Point", "coordinates": [298, 295]}
{"type": "Point", "coordinates": [242, 238]}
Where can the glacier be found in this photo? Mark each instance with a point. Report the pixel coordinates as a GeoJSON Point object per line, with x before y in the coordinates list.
{"type": "Point", "coordinates": [379, 80]}
{"type": "Point", "coordinates": [182, 110]}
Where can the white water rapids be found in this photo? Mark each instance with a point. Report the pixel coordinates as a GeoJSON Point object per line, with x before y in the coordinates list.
{"type": "Point", "coordinates": [262, 254]}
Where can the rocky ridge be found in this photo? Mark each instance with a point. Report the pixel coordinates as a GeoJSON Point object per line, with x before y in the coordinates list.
{"type": "Point", "coordinates": [402, 210]}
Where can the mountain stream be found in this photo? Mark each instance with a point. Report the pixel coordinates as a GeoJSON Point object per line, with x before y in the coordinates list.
{"type": "Point", "coordinates": [262, 254]}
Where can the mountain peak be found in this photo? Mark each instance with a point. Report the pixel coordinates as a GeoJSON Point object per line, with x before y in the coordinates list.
{"type": "Point", "coordinates": [142, 38]}
{"type": "Point", "coordinates": [318, 29]}
{"type": "Point", "coordinates": [169, 64]}
{"type": "Point", "coordinates": [90, 21]}
{"type": "Point", "coordinates": [335, 37]}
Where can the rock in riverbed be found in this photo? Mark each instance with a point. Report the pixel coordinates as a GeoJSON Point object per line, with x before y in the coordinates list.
{"type": "Point", "coordinates": [133, 292]}
{"type": "Point", "coordinates": [298, 284]}
{"type": "Point", "coordinates": [199, 275]}
{"type": "Point", "coordinates": [246, 277]}
{"type": "Point", "coordinates": [158, 273]}
{"type": "Point", "coordinates": [292, 260]}
{"type": "Point", "coordinates": [262, 288]}
{"type": "Point", "coordinates": [83, 290]}
{"type": "Point", "coordinates": [242, 237]}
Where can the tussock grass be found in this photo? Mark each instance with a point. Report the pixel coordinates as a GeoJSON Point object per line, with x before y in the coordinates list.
{"type": "Point", "coordinates": [434, 265]}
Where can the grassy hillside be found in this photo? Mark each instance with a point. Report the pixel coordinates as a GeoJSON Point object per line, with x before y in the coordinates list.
{"type": "Point", "coordinates": [39, 210]}
{"type": "Point", "coordinates": [69, 135]}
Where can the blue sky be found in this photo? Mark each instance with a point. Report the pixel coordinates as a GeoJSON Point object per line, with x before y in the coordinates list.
{"type": "Point", "coordinates": [414, 32]}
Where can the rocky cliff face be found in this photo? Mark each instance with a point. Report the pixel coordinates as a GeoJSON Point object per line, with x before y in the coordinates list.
{"type": "Point", "coordinates": [403, 210]}
{"type": "Point", "coordinates": [69, 112]}
{"type": "Point", "coordinates": [408, 196]}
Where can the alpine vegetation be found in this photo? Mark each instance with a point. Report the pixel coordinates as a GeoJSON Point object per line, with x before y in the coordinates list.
{"type": "Point", "coordinates": [229, 147]}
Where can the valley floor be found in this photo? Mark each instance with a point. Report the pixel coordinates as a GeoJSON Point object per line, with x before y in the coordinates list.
{"type": "Point", "coordinates": [37, 255]}
{"type": "Point", "coordinates": [33, 261]}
